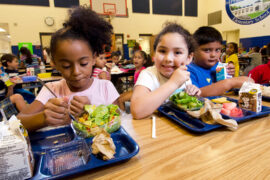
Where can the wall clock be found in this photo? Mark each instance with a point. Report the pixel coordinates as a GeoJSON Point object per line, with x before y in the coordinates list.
{"type": "Point", "coordinates": [49, 21]}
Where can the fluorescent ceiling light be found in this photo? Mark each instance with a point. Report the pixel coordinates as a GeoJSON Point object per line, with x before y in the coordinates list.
{"type": "Point", "coordinates": [2, 30]}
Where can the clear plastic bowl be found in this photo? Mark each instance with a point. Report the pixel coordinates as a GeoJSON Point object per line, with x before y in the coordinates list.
{"type": "Point", "coordinates": [66, 156]}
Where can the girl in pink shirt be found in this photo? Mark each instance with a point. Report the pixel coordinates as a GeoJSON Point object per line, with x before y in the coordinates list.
{"type": "Point", "coordinates": [73, 49]}
{"type": "Point", "coordinates": [140, 60]}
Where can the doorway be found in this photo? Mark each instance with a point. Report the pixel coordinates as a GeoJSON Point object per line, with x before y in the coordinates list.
{"type": "Point", "coordinates": [45, 39]}
{"type": "Point", "coordinates": [145, 42]}
{"type": "Point", "coordinates": [231, 36]}
{"type": "Point", "coordinates": [5, 42]}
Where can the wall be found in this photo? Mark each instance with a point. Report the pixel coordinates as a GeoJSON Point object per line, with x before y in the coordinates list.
{"type": "Point", "coordinates": [26, 22]}
{"type": "Point", "coordinates": [139, 23]}
{"type": "Point", "coordinates": [261, 28]}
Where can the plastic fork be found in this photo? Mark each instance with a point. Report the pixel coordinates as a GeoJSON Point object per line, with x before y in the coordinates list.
{"type": "Point", "coordinates": [184, 122]}
{"type": "Point", "coordinates": [70, 115]}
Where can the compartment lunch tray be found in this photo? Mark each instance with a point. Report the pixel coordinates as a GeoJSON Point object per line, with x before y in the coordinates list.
{"type": "Point", "coordinates": [197, 126]}
{"type": "Point", "coordinates": [41, 142]}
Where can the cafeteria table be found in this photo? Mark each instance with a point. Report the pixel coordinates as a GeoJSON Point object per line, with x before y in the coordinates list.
{"type": "Point", "coordinates": [32, 85]}
{"type": "Point", "coordinates": [124, 85]}
{"type": "Point", "coordinates": [179, 154]}
{"type": "Point", "coordinates": [244, 62]}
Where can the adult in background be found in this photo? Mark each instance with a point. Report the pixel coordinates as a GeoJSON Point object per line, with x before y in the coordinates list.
{"type": "Point", "coordinates": [256, 59]}
{"type": "Point", "coordinates": [261, 73]}
{"type": "Point", "coordinates": [46, 55]}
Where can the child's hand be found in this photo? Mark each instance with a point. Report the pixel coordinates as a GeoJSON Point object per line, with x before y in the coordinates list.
{"type": "Point", "coordinates": [230, 69]}
{"type": "Point", "coordinates": [180, 75]}
{"type": "Point", "coordinates": [77, 105]}
{"type": "Point", "coordinates": [193, 90]}
{"type": "Point", "coordinates": [108, 66]}
{"type": "Point", "coordinates": [56, 112]}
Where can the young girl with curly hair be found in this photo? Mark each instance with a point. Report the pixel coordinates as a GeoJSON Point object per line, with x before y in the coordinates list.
{"type": "Point", "coordinates": [74, 49]}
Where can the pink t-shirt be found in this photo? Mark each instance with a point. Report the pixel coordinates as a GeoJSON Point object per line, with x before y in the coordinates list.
{"type": "Point", "coordinates": [136, 74]}
{"type": "Point", "coordinates": [100, 92]}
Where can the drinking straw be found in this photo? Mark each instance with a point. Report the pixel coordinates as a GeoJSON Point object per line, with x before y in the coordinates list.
{"type": "Point", "coordinates": [153, 126]}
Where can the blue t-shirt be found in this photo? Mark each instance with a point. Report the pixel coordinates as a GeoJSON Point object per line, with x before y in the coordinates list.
{"type": "Point", "coordinates": [200, 76]}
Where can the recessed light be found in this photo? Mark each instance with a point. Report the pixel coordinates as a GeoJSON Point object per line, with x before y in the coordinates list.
{"type": "Point", "coordinates": [2, 30]}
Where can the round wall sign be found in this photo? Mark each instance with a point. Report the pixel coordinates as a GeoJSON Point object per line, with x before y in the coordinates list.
{"type": "Point", "coordinates": [247, 12]}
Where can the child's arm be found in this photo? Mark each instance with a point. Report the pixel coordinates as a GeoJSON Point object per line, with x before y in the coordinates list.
{"type": "Point", "coordinates": [103, 75]}
{"type": "Point", "coordinates": [37, 115]}
{"type": "Point", "coordinates": [19, 102]}
{"type": "Point", "coordinates": [126, 96]}
{"type": "Point", "coordinates": [144, 102]}
{"type": "Point", "coordinates": [230, 69]}
{"type": "Point", "coordinates": [220, 87]}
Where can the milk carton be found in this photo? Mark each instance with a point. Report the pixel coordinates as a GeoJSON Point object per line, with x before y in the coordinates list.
{"type": "Point", "coordinates": [250, 97]}
{"type": "Point", "coordinates": [221, 72]}
{"type": "Point", "coordinates": [16, 157]}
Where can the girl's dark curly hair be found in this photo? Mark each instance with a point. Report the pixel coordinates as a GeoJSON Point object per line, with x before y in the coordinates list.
{"type": "Point", "coordinates": [84, 24]}
{"type": "Point", "coordinates": [171, 27]}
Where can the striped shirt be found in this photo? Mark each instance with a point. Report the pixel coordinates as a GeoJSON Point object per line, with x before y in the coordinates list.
{"type": "Point", "coordinates": [97, 71]}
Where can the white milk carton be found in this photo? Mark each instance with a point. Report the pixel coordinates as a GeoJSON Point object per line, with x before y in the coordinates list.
{"type": "Point", "coordinates": [221, 72]}
{"type": "Point", "coordinates": [250, 97]}
{"type": "Point", "coordinates": [16, 156]}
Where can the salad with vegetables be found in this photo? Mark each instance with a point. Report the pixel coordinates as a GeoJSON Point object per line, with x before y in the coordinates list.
{"type": "Point", "coordinates": [186, 102]}
{"type": "Point", "coordinates": [96, 117]}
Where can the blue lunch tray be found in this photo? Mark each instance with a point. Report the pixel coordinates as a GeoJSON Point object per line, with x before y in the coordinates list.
{"type": "Point", "coordinates": [183, 119]}
{"type": "Point", "coordinates": [42, 142]}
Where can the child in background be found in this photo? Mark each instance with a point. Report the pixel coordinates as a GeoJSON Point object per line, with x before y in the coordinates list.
{"type": "Point", "coordinates": [174, 47]}
{"type": "Point", "coordinates": [140, 61]}
{"type": "Point", "coordinates": [115, 58]}
{"type": "Point", "coordinates": [231, 56]}
{"type": "Point", "coordinates": [73, 50]}
{"type": "Point", "coordinates": [9, 102]}
{"type": "Point", "coordinates": [98, 71]}
{"type": "Point", "coordinates": [27, 59]}
{"type": "Point", "coordinates": [206, 58]}
{"type": "Point", "coordinates": [10, 62]}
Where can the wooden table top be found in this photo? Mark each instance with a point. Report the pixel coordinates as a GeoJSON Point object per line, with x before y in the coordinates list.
{"type": "Point", "coordinates": [178, 154]}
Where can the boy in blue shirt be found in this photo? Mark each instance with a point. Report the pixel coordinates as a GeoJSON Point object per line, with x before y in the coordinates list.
{"type": "Point", "coordinates": [206, 58]}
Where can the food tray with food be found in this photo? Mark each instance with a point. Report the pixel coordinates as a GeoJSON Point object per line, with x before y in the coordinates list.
{"type": "Point", "coordinates": [198, 126]}
{"type": "Point", "coordinates": [49, 163]}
